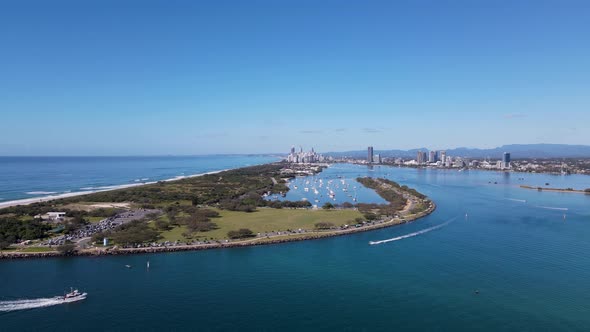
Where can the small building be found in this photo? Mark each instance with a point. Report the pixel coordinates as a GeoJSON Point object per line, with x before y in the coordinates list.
{"type": "Point", "coordinates": [56, 215]}
{"type": "Point", "coordinates": [52, 216]}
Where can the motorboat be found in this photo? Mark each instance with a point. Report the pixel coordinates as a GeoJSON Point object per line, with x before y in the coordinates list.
{"type": "Point", "coordinates": [73, 296]}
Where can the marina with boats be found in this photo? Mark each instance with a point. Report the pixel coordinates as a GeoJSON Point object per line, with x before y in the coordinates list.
{"type": "Point", "coordinates": [335, 185]}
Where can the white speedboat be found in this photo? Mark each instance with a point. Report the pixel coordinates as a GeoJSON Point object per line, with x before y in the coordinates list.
{"type": "Point", "coordinates": [73, 296]}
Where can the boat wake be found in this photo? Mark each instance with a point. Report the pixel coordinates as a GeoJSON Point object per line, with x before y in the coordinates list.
{"type": "Point", "coordinates": [552, 208]}
{"type": "Point", "coordinates": [517, 200]}
{"type": "Point", "coordinates": [7, 306]}
{"type": "Point", "coordinates": [426, 230]}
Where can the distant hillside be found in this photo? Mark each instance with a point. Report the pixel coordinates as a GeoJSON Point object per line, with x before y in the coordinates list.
{"type": "Point", "coordinates": [516, 150]}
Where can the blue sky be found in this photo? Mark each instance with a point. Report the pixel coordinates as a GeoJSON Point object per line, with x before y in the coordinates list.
{"type": "Point", "coordinates": [199, 77]}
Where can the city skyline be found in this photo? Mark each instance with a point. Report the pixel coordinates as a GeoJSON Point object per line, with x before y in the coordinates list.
{"type": "Point", "coordinates": [354, 150]}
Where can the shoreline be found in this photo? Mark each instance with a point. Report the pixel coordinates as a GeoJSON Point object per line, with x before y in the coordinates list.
{"type": "Point", "coordinates": [41, 199]}
{"type": "Point", "coordinates": [98, 252]}
{"type": "Point", "coordinates": [555, 190]}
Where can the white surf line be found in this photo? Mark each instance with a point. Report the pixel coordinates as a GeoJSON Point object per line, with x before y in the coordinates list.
{"type": "Point", "coordinates": [426, 230]}
{"type": "Point", "coordinates": [552, 208]}
{"type": "Point", "coordinates": [6, 306]}
{"type": "Point", "coordinates": [41, 192]}
{"type": "Point", "coordinates": [516, 200]}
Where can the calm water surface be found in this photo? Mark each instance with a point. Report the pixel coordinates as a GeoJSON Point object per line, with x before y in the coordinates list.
{"type": "Point", "coordinates": [530, 265]}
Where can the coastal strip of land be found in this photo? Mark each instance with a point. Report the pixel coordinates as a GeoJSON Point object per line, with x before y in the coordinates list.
{"type": "Point", "coordinates": [218, 210]}
{"type": "Point", "coordinates": [283, 237]}
{"type": "Point", "coordinates": [49, 198]}
{"type": "Point", "coordinates": [560, 190]}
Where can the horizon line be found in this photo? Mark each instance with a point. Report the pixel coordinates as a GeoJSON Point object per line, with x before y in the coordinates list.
{"type": "Point", "coordinates": [266, 153]}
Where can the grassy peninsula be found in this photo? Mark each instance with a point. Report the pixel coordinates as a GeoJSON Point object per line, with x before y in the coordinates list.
{"type": "Point", "coordinates": [224, 209]}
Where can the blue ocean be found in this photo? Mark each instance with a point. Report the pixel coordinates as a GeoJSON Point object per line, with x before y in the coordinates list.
{"type": "Point", "coordinates": [492, 257]}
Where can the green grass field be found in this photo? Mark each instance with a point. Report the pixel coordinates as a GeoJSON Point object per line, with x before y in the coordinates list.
{"type": "Point", "coordinates": [267, 220]}
{"type": "Point", "coordinates": [36, 249]}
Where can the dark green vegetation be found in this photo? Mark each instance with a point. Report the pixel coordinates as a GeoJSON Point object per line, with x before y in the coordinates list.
{"type": "Point", "coordinates": [289, 204]}
{"type": "Point", "coordinates": [235, 190]}
{"type": "Point", "coordinates": [391, 191]}
{"type": "Point", "coordinates": [193, 218]}
{"type": "Point", "coordinates": [13, 230]}
{"type": "Point", "coordinates": [239, 189]}
{"type": "Point", "coordinates": [17, 223]}
{"type": "Point", "coordinates": [328, 206]}
{"type": "Point", "coordinates": [67, 248]}
{"type": "Point", "coordinates": [324, 225]}
{"type": "Point", "coordinates": [419, 207]}
{"type": "Point", "coordinates": [386, 189]}
{"type": "Point", "coordinates": [242, 233]}
{"type": "Point", "coordinates": [72, 224]}
{"type": "Point", "coordinates": [135, 232]}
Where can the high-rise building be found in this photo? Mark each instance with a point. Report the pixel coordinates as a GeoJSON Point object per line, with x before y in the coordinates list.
{"type": "Point", "coordinates": [432, 157]}
{"type": "Point", "coordinates": [506, 160]}
{"type": "Point", "coordinates": [421, 157]}
{"type": "Point", "coordinates": [443, 156]}
{"type": "Point", "coordinates": [370, 154]}
{"type": "Point", "coordinates": [449, 161]}
{"type": "Point", "coordinates": [377, 159]}
{"type": "Point", "coordinates": [304, 157]}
